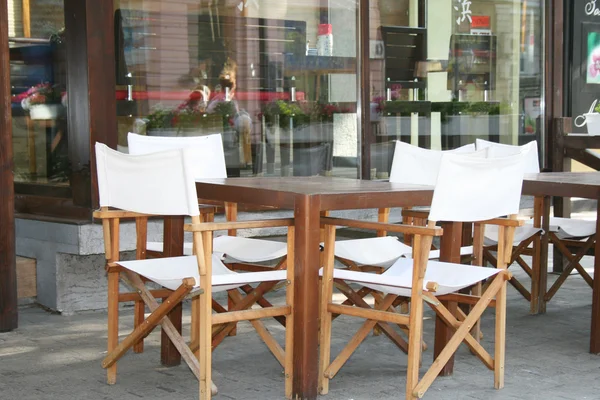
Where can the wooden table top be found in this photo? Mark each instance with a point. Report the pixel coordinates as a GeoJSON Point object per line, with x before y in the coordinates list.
{"type": "Point", "coordinates": [563, 184]}
{"type": "Point", "coordinates": [333, 193]}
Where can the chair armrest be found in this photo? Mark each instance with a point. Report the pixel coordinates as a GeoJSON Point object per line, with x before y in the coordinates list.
{"type": "Point", "coordinates": [423, 214]}
{"type": "Point", "coordinates": [379, 226]}
{"type": "Point", "coordinates": [220, 226]}
{"type": "Point", "coordinates": [502, 222]}
{"type": "Point", "coordinates": [105, 214]}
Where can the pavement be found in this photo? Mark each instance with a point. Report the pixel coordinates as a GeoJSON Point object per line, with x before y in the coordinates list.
{"type": "Point", "coordinates": [52, 356]}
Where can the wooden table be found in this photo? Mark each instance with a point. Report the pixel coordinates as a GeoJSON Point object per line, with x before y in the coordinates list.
{"type": "Point", "coordinates": [566, 184]}
{"type": "Point", "coordinates": [308, 197]}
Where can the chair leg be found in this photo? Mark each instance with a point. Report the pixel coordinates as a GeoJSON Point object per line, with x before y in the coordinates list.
{"type": "Point", "coordinates": [138, 319]}
{"type": "Point", "coordinates": [326, 297]}
{"type": "Point", "coordinates": [231, 305]}
{"type": "Point", "coordinates": [205, 331]}
{"type": "Point", "coordinates": [414, 347]}
{"type": "Point", "coordinates": [377, 305]}
{"type": "Point", "coordinates": [500, 340]}
{"type": "Point", "coordinates": [195, 326]}
{"type": "Point", "coordinates": [113, 322]}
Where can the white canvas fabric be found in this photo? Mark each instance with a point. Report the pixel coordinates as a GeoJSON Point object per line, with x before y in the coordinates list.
{"type": "Point", "coordinates": [378, 251]}
{"type": "Point", "coordinates": [476, 189]}
{"type": "Point", "coordinates": [159, 183]}
{"type": "Point", "coordinates": [521, 233]}
{"type": "Point", "coordinates": [207, 151]}
{"type": "Point", "coordinates": [464, 251]}
{"type": "Point", "coordinates": [238, 248]}
{"type": "Point", "coordinates": [381, 251]}
{"type": "Point", "coordinates": [248, 249]}
{"type": "Point", "coordinates": [499, 150]}
{"type": "Point", "coordinates": [208, 163]}
{"type": "Point", "coordinates": [398, 278]}
{"type": "Point", "coordinates": [569, 228]}
{"type": "Point", "coordinates": [169, 272]}
{"type": "Point", "coordinates": [418, 166]}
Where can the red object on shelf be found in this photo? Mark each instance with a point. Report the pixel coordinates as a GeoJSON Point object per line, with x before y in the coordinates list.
{"type": "Point", "coordinates": [325, 29]}
{"type": "Point", "coordinates": [480, 21]}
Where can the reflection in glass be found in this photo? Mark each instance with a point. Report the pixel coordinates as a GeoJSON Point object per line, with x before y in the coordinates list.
{"type": "Point", "coordinates": [276, 78]}
{"type": "Point", "coordinates": [444, 78]}
{"type": "Point", "coordinates": [38, 96]}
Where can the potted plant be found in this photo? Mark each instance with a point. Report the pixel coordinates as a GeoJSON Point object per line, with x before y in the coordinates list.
{"type": "Point", "coordinates": [189, 118]}
{"type": "Point", "coordinates": [43, 101]}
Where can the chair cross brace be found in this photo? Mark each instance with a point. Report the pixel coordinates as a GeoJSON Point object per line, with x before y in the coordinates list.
{"type": "Point", "coordinates": [574, 260]}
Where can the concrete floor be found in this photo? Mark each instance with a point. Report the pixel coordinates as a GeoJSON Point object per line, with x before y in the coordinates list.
{"type": "Point", "coordinates": [58, 357]}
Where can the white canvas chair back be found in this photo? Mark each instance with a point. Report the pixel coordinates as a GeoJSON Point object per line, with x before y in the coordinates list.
{"type": "Point", "coordinates": [415, 165]}
{"type": "Point", "coordinates": [207, 151]}
{"type": "Point", "coordinates": [158, 183]}
{"type": "Point", "coordinates": [497, 150]}
{"type": "Point", "coordinates": [475, 189]}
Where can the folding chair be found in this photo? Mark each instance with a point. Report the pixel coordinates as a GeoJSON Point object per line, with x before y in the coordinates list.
{"type": "Point", "coordinates": [410, 165]}
{"type": "Point", "coordinates": [239, 253]}
{"type": "Point", "coordinates": [163, 184]}
{"type": "Point", "coordinates": [489, 189]}
{"type": "Point", "coordinates": [573, 238]}
{"type": "Point", "coordinates": [209, 163]}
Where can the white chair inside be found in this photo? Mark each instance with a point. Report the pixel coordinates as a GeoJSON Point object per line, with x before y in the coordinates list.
{"type": "Point", "coordinates": [208, 160]}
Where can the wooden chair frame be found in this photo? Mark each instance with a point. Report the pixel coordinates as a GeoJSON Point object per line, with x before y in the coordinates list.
{"type": "Point", "coordinates": [202, 316]}
{"type": "Point", "coordinates": [494, 296]}
{"type": "Point", "coordinates": [573, 250]}
{"type": "Point", "coordinates": [419, 218]}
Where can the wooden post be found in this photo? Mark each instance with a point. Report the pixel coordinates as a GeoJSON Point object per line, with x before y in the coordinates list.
{"type": "Point", "coordinates": [8, 268]}
{"type": "Point", "coordinates": [91, 82]}
{"type": "Point", "coordinates": [26, 18]}
{"type": "Point", "coordinates": [562, 208]}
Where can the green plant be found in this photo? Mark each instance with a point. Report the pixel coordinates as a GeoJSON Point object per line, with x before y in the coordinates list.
{"type": "Point", "coordinates": [597, 108]}
{"type": "Point", "coordinates": [301, 113]}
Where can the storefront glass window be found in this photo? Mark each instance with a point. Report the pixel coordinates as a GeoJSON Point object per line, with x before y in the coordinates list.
{"type": "Point", "coordinates": [38, 92]}
{"type": "Point", "coordinates": [445, 72]}
{"type": "Point", "coordinates": [277, 78]}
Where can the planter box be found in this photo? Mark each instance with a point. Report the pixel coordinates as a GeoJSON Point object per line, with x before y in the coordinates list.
{"type": "Point", "coordinates": [46, 111]}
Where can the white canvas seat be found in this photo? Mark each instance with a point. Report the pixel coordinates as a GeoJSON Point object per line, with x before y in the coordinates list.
{"type": "Point", "coordinates": [569, 228]}
{"type": "Point", "coordinates": [208, 163]}
{"type": "Point", "coordinates": [163, 184]}
{"type": "Point", "coordinates": [564, 233]}
{"type": "Point", "coordinates": [498, 183]}
{"type": "Point", "coordinates": [238, 248]}
{"type": "Point", "coordinates": [380, 251]}
{"type": "Point", "coordinates": [397, 279]}
{"type": "Point", "coordinates": [169, 272]}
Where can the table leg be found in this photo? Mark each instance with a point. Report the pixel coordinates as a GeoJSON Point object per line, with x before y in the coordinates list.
{"type": "Point", "coordinates": [449, 252]}
{"type": "Point", "coordinates": [543, 264]}
{"type": "Point", "coordinates": [538, 207]}
{"type": "Point", "coordinates": [306, 297]}
{"type": "Point", "coordinates": [173, 246]}
{"type": "Point", "coordinates": [595, 331]}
